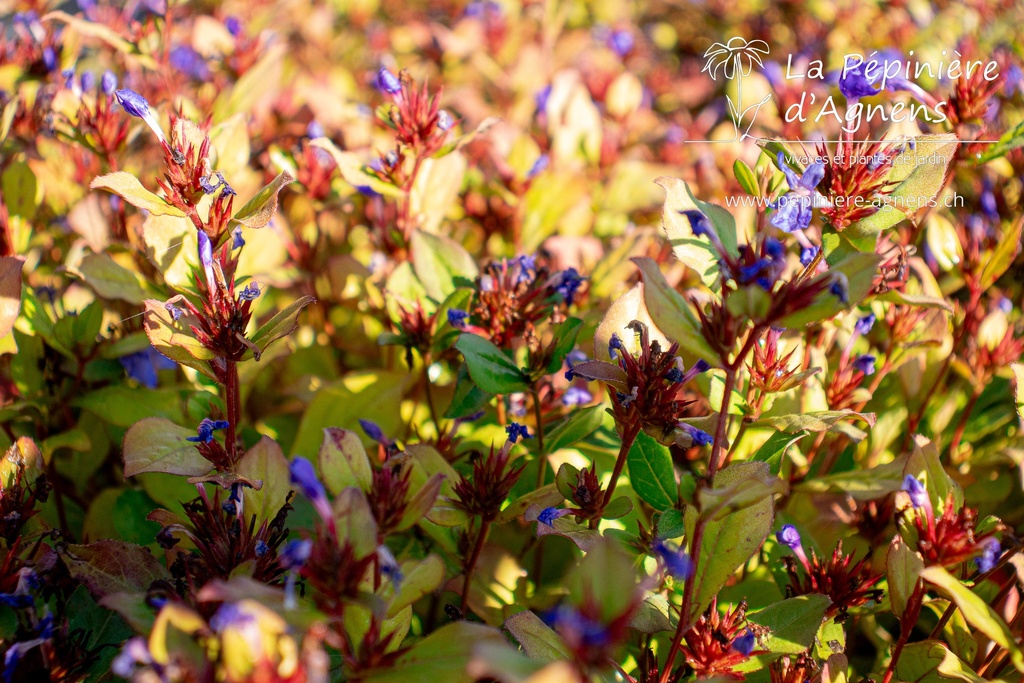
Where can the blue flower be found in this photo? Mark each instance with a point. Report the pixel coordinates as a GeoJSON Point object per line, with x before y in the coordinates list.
{"type": "Point", "coordinates": [576, 396]}
{"type": "Point", "coordinates": [854, 82]}
{"type": "Point", "coordinates": [677, 563]}
{"type": "Point", "coordinates": [541, 99]}
{"type": "Point", "coordinates": [374, 432]}
{"type": "Point", "coordinates": [789, 536]}
{"type": "Point", "coordinates": [744, 643]}
{"type": "Point", "coordinates": [295, 553]}
{"type": "Point", "coordinates": [237, 241]}
{"type": "Point", "coordinates": [1005, 305]}
{"type": "Point", "coordinates": [388, 82]}
{"type": "Point", "coordinates": [614, 344]}
{"type": "Point", "coordinates": [516, 431]}
{"type": "Point", "coordinates": [134, 651]}
{"type": "Point", "coordinates": [314, 130]}
{"type": "Point", "coordinates": [621, 42]}
{"type": "Point", "coordinates": [839, 289]}
{"type": "Point", "coordinates": [174, 311]}
{"type": "Point", "coordinates": [588, 632]}
{"type": "Point", "coordinates": [698, 437]}
{"type": "Point", "coordinates": [250, 292]}
{"type": "Point", "coordinates": [230, 616]}
{"type": "Point", "coordinates": [302, 473]}
{"type": "Point", "coordinates": [675, 375]}
{"type": "Point", "coordinates": [69, 78]}
{"type": "Point", "coordinates": [794, 210]}
{"type": "Point", "coordinates": [206, 258]}
{"type": "Point", "coordinates": [989, 556]}
{"type": "Point", "coordinates": [261, 549]}
{"type": "Point", "coordinates": [699, 223]}
{"type": "Point", "coordinates": [205, 430]}
{"type": "Point", "coordinates": [864, 324]}
{"type": "Point", "coordinates": [16, 601]}
{"type": "Point", "coordinates": [444, 120]}
{"type": "Point", "coordinates": [233, 25]}
{"type": "Point", "coordinates": [133, 103]}
{"type": "Point", "coordinates": [916, 490]}
{"type": "Point", "coordinates": [186, 60]}
{"type": "Point", "coordinates": [548, 516]}
{"type": "Point", "coordinates": [143, 366]}
{"type": "Point", "coordinates": [457, 317]}
{"type": "Point", "coordinates": [49, 58]}
{"type": "Point", "coordinates": [865, 364]}
{"type": "Point", "coordinates": [108, 83]}
{"type": "Point", "coordinates": [389, 565]}
{"type": "Point", "coordinates": [568, 284]}
{"type": "Point", "coordinates": [88, 80]}
{"type": "Point", "coordinates": [539, 166]}
{"type": "Point", "coordinates": [807, 255]}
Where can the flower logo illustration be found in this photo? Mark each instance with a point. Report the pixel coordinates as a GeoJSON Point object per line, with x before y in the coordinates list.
{"type": "Point", "coordinates": [736, 59]}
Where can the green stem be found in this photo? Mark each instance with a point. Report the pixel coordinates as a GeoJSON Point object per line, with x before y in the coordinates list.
{"type": "Point", "coordinates": [233, 400]}
{"type": "Point", "coordinates": [542, 462]}
{"type": "Point", "coordinates": [485, 526]}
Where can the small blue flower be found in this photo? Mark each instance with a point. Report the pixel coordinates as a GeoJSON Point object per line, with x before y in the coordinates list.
{"type": "Point", "coordinates": [621, 42]}
{"type": "Point", "coordinates": [457, 317]}
{"type": "Point", "coordinates": [588, 632]}
{"type": "Point", "coordinates": [261, 549]}
{"type": "Point", "coordinates": [69, 78]}
{"type": "Point", "coordinates": [233, 25]}
{"type": "Point", "coordinates": [16, 601]}
{"type": "Point", "coordinates": [250, 292]}
{"type": "Point", "coordinates": [838, 288]}
{"type": "Point", "coordinates": [108, 83]}
{"type": "Point", "coordinates": [211, 182]}
{"type": "Point", "coordinates": [789, 536]}
{"type": "Point", "coordinates": [854, 82]}
{"type": "Point", "coordinates": [374, 432]}
{"type": "Point", "coordinates": [1005, 305]}
{"type": "Point", "coordinates": [989, 556]}
{"type": "Point", "coordinates": [697, 436]}
{"type": "Point", "coordinates": [49, 58]}
{"type": "Point", "coordinates": [445, 120]}
{"type": "Point", "coordinates": [807, 255]}
{"type": "Point", "coordinates": [88, 81]}
{"type": "Point", "coordinates": [314, 130]}
{"type": "Point", "coordinates": [133, 103]}
{"type": "Point", "coordinates": [389, 565]}
{"type": "Point", "coordinates": [237, 241]}
{"type": "Point", "coordinates": [230, 616]}
{"type": "Point", "coordinates": [540, 100]}
{"type": "Point", "coordinates": [206, 257]}
{"type": "Point", "coordinates": [187, 61]}
{"type": "Point", "coordinates": [576, 396]}
{"type": "Point", "coordinates": [865, 364]}
{"type": "Point", "coordinates": [917, 491]}
{"type": "Point", "coordinates": [614, 344]}
{"type": "Point", "coordinates": [568, 284]}
{"type": "Point", "coordinates": [794, 210]}
{"type": "Point", "coordinates": [205, 430]}
{"type": "Point", "coordinates": [864, 324]}
{"type": "Point", "coordinates": [539, 166]}
{"type": "Point", "coordinates": [134, 651]}
{"type": "Point", "coordinates": [549, 515]}
{"type": "Point", "coordinates": [295, 553]}
{"type": "Point", "coordinates": [516, 431]}
{"type": "Point", "coordinates": [675, 375]}
{"type": "Point", "coordinates": [143, 366]}
{"type": "Point", "coordinates": [174, 311]}
{"type": "Point", "coordinates": [744, 643]}
{"type": "Point", "coordinates": [677, 563]}
{"type": "Point", "coordinates": [302, 473]}
{"type": "Point", "coordinates": [699, 223]}
{"type": "Point", "coordinates": [388, 82]}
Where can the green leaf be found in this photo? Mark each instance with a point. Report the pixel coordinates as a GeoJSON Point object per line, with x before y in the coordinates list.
{"type": "Point", "coordinates": [816, 421]}
{"type": "Point", "coordinates": [728, 543]}
{"type": "Point", "coordinates": [671, 312]}
{"type": "Point", "coordinates": [280, 325]}
{"type": "Point", "coordinates": [565, 340]}
{"type": "Point", "coordinates": [419, 579]}
{"type": "Point", "coordinates": [265, 462]}
{"type": "Point", "coordinates": [1002, 256]}
{"type": "Point", "coordinates": [976, 611]}
{"type": "Point", "coordinates": [745, 177]}
{"type": "Point", "coordinates": [174, 338]}
{"type": "Point", "coordinates": [930, 661]}
{"type": "Point", "coordinates": [442, 656]}
{"type": "Point", "coordinates": [124, 406]}
{"type": "Point", "coordinates": [721, 501]}
{"type": "Point", "coordinates": [110, 279]}
{"type": "Point", "coordinates": [857, 271]}
{"type": "Point", "coordinates": [128, 188]}
{"type": "Point", "coordinates": [772, 450]}
{"type": "Point", "coordinates": [355, 522]}
{"type": "Point", "coordinates": [578, 426]}
{"type": "Point", "coordinates": [21, 191]}
{"type": "Point", "coordinates": [921, 174]}
{"type": "Point", "coordinates": [651, 473]}
{"type": "Point", "coordinates": [792, 623]}
{"type": "Point", "coordinates": [1008, 141]}
{"type": "Point", "coordinates": [107, 567]}
{"type": "Point", "coordinates": [696, 252]}
{"type": "Point", "coordinates": [925, 463]}
{"type": "Point", "coordinates": [259, 210]}
{"type": "Point", "coordinates": [538, 640]}
{"type": "Point", "coordinates": [491, 370]}
{"type": "Point", "coordinates": [1018, 378]}
{"type": "Point", "coordinates": [343, 461]}
{"type": "Point", "coordinates": [441, 264]}
{"type": "Point", "coordinates": [652, 615]}
{"type": "Point", "coordinates": [159, 445]}
{"type": "Point", "coordinates": [351, 169]}
{"type": "Point", "coordinates": [468, 398]}
{"type": "Point", "coordinates": [903, 566]}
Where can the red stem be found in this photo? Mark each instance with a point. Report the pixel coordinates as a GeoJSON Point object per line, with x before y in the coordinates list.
{"type": "Point", "coordinates": [485, 526]}
{"type": "Point", "coordinates": [233, 400]}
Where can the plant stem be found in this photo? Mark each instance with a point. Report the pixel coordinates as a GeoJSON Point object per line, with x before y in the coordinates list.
{"type": "Point", "coordinates": [542, 462]}
{"type": "Point", "coordinates": [430, 396]}
{"type": "Point", "coordinates": [485, 526]}
{"type": "Point", "coordinates": [962, 424]}
{"type": "Point", "coordinates": [907, 623]}
{"type": "Point", "coordinates": [628, 437]}
{"type": "Point", "coordinates": [233, 400]}
{"type": "Point", "coordinates": [723, 419]}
